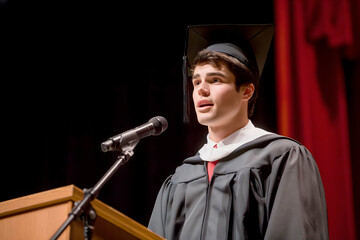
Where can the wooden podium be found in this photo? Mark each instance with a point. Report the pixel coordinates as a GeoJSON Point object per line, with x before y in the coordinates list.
{"type": "Point", "coordinates": [38, 216]}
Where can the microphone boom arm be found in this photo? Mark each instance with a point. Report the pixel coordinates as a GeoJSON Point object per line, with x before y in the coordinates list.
{"type": "Point", "coordinates": [125, 143]}
{"type": "Point", "coordinates": [90, 194]}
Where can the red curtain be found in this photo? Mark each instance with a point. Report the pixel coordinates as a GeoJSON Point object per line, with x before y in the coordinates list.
{"type": "Point", "coordinates": [312, 38]}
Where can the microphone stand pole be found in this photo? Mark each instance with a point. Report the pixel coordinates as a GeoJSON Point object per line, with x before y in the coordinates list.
{"type": "Point", "coordinates": [84, 207]}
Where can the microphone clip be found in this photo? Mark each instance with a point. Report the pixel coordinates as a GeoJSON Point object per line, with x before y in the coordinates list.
{"type": "Point", "coordinates": [127, 141]}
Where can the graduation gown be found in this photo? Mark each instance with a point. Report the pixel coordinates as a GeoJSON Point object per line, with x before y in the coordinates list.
{"type": "Point", "coordinates": [269, 188]}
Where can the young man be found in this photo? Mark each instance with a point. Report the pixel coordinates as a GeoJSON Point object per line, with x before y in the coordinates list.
{"type": "Point", "coordinates": [245, 182]}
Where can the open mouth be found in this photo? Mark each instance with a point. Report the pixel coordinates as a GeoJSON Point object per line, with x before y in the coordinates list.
{"type": "Point", "coordinates": [206, 105]}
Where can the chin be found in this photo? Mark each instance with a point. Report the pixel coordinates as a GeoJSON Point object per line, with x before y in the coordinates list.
{"type": "Point", "coordinates": [205, 120]}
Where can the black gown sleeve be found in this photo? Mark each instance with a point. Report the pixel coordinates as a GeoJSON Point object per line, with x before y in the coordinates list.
{"type": "Point", "coordinates": [157, 220]}
{"type": "Point", "coordinates": [296, 199]}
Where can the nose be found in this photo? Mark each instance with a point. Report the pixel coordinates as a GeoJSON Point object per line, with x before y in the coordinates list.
{"type": "Point", "coordinates": [203, 90]}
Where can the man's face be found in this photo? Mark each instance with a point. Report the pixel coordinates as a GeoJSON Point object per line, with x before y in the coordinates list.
{"type": "Point", "coordinates": [216, 101]}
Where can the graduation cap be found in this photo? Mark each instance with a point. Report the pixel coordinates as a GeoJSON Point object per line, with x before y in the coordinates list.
{"type": "Point", "coordinates": [249, 43]}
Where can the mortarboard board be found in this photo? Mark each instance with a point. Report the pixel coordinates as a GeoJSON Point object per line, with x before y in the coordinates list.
{"type": "Point", "coordinates": [249, 43]}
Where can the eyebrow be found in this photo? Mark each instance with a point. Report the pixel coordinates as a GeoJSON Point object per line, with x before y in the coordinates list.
{"type": "Point", "coordinates": [210, 74]}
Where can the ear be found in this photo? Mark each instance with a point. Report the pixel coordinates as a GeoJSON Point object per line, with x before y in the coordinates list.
{"type": "Point", "coordinates": [248, 91]}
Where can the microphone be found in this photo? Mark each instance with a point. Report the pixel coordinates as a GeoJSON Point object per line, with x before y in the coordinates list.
{"type": "Point", "coordinates": [155, 126]}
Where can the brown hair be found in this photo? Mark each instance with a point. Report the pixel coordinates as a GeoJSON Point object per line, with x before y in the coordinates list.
{"type": "Point", "coordinates": [243, 75]}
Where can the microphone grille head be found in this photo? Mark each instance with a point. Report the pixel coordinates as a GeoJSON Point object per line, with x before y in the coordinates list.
{"type": "Point", "coordinates": [160, 124]}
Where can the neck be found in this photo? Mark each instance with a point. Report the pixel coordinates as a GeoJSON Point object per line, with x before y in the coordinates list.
{"type": "Point", "coordinates": [218, 133]}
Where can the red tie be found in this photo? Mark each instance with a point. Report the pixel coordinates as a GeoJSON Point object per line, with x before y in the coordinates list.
{"type": "Point", "coordinates": [211, 166]}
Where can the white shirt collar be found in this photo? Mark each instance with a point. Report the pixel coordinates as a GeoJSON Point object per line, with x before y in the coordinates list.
{"type": "Point", "coordinates": [246, 134]}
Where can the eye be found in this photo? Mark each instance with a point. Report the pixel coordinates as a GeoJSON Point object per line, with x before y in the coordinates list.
{"type": "Point", "coordinates": [196, 82]}
{"type": "Point", "coordinates": [216, 80]}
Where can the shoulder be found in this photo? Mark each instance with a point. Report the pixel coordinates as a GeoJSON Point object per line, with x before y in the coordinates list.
{"type": "Point", "coordinates": [276, 143]}
{"type": "Point", "coordinates": [282, 150]}
{"type": "Point", "coordinates": [189, 171]}
{"type": "Point", "coordinates": [192, 168]}
{"type": "Point", "coordinates": [264, 151]}
{"type": "Point", "coordinates": [273, 138]}
{"type": "Point", "coordinates": [282, 144]}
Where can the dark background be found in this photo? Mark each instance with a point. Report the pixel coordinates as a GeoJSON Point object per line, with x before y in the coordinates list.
{"type": "Point", "coordinates": [75, 73]}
